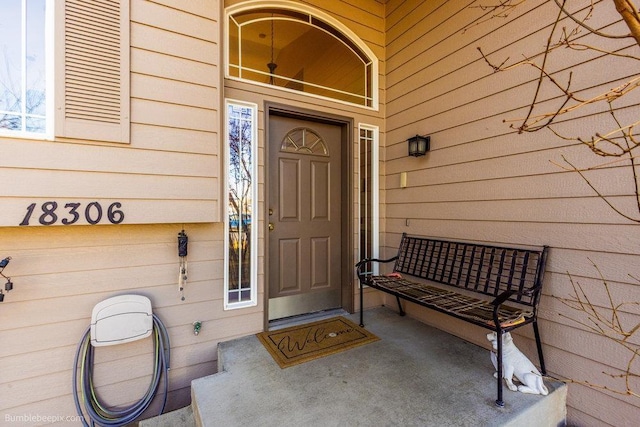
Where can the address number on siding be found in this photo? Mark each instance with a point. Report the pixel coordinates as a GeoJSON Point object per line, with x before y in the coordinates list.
{"type": "Point", "coordinates": [50, 213]}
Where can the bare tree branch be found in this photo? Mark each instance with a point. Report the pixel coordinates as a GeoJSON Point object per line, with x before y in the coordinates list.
{"type": "Point", "coordinates": [619, 143]}
{"type": "Point", "coordinates": [631, 17]}
{"type": "Point", "coordinates": [609, 326]}
{"type": "Point", "coordinates": [581, 22]}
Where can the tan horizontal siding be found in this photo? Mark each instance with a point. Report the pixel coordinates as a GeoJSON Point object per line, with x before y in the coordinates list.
{"type": "Point", "coordinates": [60, 274]}
{"type": "Point", "coordinates": [173, 139]}
{"type": "Point", "coordinates": [48, 156]}
{"type": "Point", "coordinates": [550, 211]}
{"type": "Point", "coordinates": [172, 67]}
{"type": "Point", "coordinates": [61, 184]}
{"type": "Point", "coordinates": [613, 266]}
{"type": "Point", "coordinates": [366, 19]}
{"type": "Point", "coordinates": [153, 88]}
{"type": "Point", "coordinates": [146, 37]}
{"type": "Point", "coordinates": [171, 115]}
{"type": "Point", "coordinates": [484, 182]}
{"type": "Point", "coordinates": [602, 238]}
{"type": "Point", "coordinates": [507, 188]}
{"type": "Point", "coordinates": [160, 278]}
{"type": "Point", "coordinates": [169, 171]}
{"type": "Point", "coordinates": [184, 18]}
{"type": "Point", "coordinates": [198, 8]}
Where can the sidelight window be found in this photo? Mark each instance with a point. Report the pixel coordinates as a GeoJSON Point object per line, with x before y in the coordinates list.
{"type": "Point", "coordinates": [241, 249]}
{"type": "Point", "coordinates": [369, 190]}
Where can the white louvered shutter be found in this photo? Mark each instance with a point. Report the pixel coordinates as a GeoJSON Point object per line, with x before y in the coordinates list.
{"type": "Point", "coordinates": [92, 56]}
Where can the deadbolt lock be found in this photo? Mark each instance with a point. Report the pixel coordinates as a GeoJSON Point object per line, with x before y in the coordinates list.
{"type": "Point", "coordinates": [270, 212]}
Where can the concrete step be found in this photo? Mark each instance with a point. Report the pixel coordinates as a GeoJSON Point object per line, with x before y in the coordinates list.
{"type": "Point", "coordinates": [415, 375]}
{"type": "Point", "coordinates": [179, 418]}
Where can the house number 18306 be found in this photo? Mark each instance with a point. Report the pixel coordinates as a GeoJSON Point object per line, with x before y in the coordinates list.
{"type": "Point", "coordinates": [50, 213]}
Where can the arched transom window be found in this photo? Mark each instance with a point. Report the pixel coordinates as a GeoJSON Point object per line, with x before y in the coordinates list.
{"type": "Point", "coordinates": [304, 141]}
{"type": "Point", "coordinates": [300, 51]}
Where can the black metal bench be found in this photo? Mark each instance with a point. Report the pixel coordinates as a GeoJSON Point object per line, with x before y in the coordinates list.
{"type": "Point", "coordinates": [497, 288]}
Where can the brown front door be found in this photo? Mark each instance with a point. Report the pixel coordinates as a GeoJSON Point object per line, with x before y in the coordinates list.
{"type": "Point", "coordinates": [304, 216]}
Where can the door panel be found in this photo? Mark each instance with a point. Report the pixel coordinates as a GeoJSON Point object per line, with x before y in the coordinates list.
{"type": "Point", "coordinates": [289, 190]}
{"type": "Point", "coordinates": [320, 262]}
{"type": "Point", "coordinates": [305, 216]}
{"type": "Point", "coordinates": [320, 191]}
{"type": "Point", "coordinates": [289, 280]}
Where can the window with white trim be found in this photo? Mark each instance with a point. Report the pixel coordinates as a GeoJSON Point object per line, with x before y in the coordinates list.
{"type": "Point", "coordinates": [241, 215]}
{"type": "Point", "coordinates": [85, 45]}
{"type": "Point", "coordinates": [369, 192]}
{"type": "Point", "coordinates": [295, 47]}
{"type": "Point", "coordinates": [23, 67]}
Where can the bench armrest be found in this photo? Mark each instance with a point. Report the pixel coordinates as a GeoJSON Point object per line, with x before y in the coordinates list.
{"type": "Point", "coordinates": [500, 299]}
{"type": "Point", "coordinates": [360, 265]}
{"type": "Point", "coordinates": [504, 296]}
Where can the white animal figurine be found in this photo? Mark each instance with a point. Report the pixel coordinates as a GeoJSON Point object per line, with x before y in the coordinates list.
{"type": "Point", "coordinates": [514, 363]}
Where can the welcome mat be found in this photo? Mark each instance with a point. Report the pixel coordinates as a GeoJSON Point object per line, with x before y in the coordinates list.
{"type": "Point", "coordinates": [299, 344]}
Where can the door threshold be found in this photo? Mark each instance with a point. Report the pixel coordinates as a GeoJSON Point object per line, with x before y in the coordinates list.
{"type": "Point", "coordinates": [300, 319]}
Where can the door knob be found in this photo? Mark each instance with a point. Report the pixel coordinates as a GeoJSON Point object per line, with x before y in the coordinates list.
{"type": "Point", "coordinates": [271, 226]}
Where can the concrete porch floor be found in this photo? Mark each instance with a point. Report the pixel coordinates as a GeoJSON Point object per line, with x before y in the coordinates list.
{"type": "Point", "coordinates": [415, 375]}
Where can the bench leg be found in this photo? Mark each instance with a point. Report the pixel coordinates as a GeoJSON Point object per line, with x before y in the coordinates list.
{"type": "Point", "coordinates": [543, 370]}
{"type": "Point", "coordinates": [499, 401]}
{"type": "Point", "coordinates": [402, 313]}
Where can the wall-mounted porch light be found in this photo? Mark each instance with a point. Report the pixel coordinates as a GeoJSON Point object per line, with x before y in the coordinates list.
{"type": "Point", "coordinates": [419, 145]}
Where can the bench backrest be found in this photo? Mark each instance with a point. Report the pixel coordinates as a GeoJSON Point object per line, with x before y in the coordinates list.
{"type": "Point", "coordinates": [489, 270]}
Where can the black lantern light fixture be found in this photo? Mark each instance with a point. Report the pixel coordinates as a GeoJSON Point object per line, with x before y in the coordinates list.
{"type": "Point", "coordinates": [419, 145]}
{"type": "Point", "coordinates": [272, 65]}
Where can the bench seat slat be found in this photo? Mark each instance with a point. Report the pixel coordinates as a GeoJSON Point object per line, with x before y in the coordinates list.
{"type": "Point", "coordinates": [472, 309]}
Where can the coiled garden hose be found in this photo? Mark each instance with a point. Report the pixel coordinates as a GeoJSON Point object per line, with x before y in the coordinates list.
{"type": "Point", "coordinates": [96, 411]}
